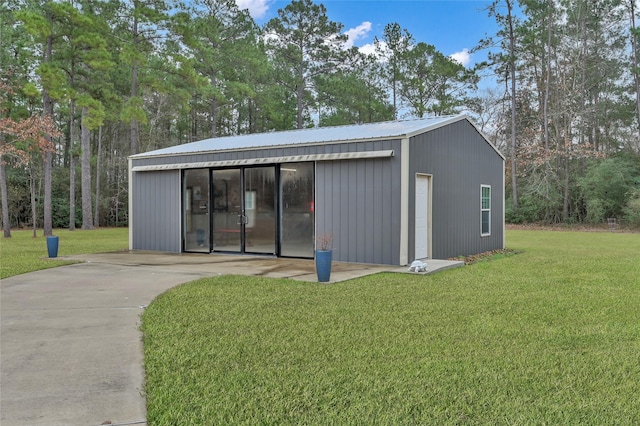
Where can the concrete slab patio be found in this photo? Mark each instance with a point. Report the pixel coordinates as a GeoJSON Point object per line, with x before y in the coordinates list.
{"type": "Point", "coordinates": [71, 351]}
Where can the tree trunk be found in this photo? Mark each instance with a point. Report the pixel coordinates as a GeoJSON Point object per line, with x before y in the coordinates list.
{"type": "Point", "coordinates": [133, 127]}
{"type": "Point", "coordinates": [72, 169]}
{"type": "Point", "coordinates": [514, 145]}
{"type": "Point", "coordinates": [134, 85]}
{"type": "Point", "coordinates": [395, 91]}
{"type": "Point", "coordinates": [32, 188]}
{"type": "Point", "coordinates": [47, 110]}
{"type": "Point", "coordinates": [299, 105]}
{"type": "Point", "coordinates": [194, 119]}
{"type": "Point", "coordinates": [564, 172]}
{"type": "Point", "coordinates": [300, 95]}
{"type": "Point", "coordinates": [72, 192]}
{"type": "Point", "coordinates": [214, 117]}
{"type": "Point", "coordinates": [566, 192]}
{"type": "Point", "coordinates": [547, 89]}
{"type": "Point", "coordinates": [634, 46]}
{"type": "Point", "coordinates": [6, 225]}
{"type": "Point", "coordinates": [48, 220]}
{"type": "Point", "coordinates": [96, 220]}
{"type": "Point", "coordinates": [85, 167]}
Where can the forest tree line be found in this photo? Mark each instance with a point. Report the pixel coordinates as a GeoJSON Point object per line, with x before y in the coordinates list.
{"type": "Point", "coordinates": [86, 83]}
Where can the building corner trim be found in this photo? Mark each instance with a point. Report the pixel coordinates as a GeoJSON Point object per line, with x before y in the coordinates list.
{"type": "Point", "coordinates": [130, 195]}
{"type": "Point", "coordinates": [504, 208]}
{"type": "Point", "coordinates": [404, 202]}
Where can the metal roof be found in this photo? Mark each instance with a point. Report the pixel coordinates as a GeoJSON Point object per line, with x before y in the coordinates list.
{"type": "Point", "coordinates": [360, 132]}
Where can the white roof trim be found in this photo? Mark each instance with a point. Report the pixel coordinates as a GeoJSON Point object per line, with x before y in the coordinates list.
{"type": "Point", "coordinates": [268, 160]}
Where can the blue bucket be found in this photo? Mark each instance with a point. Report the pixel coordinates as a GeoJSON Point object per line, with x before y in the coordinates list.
{"type": "Point", "coordinates": [52, 246]}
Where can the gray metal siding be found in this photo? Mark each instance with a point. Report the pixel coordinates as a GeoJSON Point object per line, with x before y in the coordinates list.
{"type": "Point", "coordinates": [156, 211]}
{"type": "Point", "coordinates": [459, 160]}
{"type": "Point", "coordinates": [358, 201]}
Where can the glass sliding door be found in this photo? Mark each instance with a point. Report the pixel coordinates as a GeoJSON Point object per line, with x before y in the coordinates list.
{"type": "Point", "coordinates": [227, 210]}
{"type": "Point", "coordinates": [260, 209]}
{"type": "Point", "coordinates": [196, 211]}
{"type": "Point", "coordinates": [297, 184]}
{"type": "Point", "coordinates": [244, 213]}
{"type": "Point", "coordinates": [247, 210]}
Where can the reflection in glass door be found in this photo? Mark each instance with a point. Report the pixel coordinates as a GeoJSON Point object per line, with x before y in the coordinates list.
{"type": "Point", "coordinates": [196, 208]}
{"type": "Point", "coordinates": [260, 210]}
{"type": "Point", "coordinates": [227, 210]}
{"type": "Point", "coordinates": [244, 213]}
{"type": "Point", "coordinates": [297, 228]}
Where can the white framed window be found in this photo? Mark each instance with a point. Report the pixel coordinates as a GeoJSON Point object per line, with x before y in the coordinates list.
{"type": "Point", "coordinates": [485, 210]}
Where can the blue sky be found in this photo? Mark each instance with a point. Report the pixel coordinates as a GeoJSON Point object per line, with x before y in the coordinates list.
{"type": "Point", "coordinates": [453, 26]}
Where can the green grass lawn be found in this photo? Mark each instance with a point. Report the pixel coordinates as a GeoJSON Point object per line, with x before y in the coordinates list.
{"type": "Point", "coordinates": [22, 253]}
{"type": "Point", "coordinates": [548, 336]}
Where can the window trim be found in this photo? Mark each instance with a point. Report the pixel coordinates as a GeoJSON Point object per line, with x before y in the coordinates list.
{"type": "Point", "coordinates": [483, 209]}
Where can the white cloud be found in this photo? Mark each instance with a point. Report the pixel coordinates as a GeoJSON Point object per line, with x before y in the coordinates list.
{"type": "Point", "coordinates": [270, 37]}
{"type": "Point", "coordinates": [463, 57]}
{"type": "Point", "coordinates": [368, 49]}
{"type": "Point", "coordinates": [257, 8]}
{"type": "Point", "coordinates": [357, 33]}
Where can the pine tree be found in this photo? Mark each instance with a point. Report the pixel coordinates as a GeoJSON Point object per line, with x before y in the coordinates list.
{"type": "Point", "coordinates": [393, 49]}
{"type": "Point", "coordinates": [304, 45]}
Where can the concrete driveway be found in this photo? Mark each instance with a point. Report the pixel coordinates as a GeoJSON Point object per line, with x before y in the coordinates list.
{"type": "Point", "coordinates": [71, 350]}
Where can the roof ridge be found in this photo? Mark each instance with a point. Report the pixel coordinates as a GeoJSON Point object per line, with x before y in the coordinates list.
{"type": "Point", "coordinates": [408, 120]}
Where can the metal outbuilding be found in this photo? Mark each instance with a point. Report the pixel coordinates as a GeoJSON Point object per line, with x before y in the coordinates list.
{"type": "Point", "coordinates": [387, 193]}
